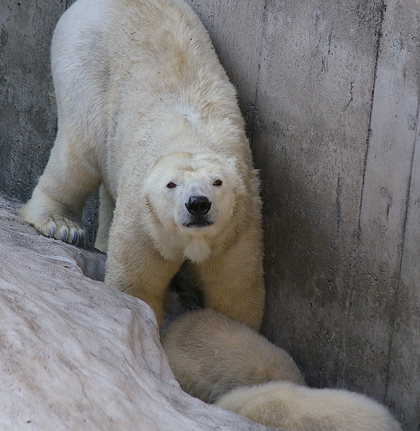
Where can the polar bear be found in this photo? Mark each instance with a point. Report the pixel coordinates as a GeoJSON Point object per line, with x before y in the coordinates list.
{"type": "Point", "coordinates": [298, 408]}
{"type": "Point", "coordinates": [210, 354]}
{"type": "Point", "coordinates": [146, 112]}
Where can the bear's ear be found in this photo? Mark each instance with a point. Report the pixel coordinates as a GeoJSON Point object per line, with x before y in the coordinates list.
{"type": "Point", "coordinates": [233, 162]}
{"type": "Point", "coordinates": [235, 172]}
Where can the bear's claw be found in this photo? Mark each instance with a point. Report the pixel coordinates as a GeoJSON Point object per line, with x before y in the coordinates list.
{"type": "Point", "coordinates": [65, 230]}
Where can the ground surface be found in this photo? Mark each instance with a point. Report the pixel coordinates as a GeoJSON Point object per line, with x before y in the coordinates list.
{"type": "Point", "coordinates": [77, 354]}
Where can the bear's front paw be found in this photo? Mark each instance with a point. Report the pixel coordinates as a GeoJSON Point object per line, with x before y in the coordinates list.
{"type": "Point", "coordinates": [64, 229]}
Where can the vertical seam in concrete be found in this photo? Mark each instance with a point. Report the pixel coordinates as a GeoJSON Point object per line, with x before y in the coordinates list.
{"type": "Point", "coordinates": [351, 292]}
{"type": "Point", "coordinates": [261, 48]}
{"type": "Point", "coordinates": [398, 287]}
{"type": "Point", "coordinates": [259, 63]}
{"type": "Point", "coordinates": [378, 48]}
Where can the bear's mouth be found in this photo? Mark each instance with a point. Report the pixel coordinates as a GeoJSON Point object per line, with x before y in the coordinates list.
{"type": "Point", "coordinates": [198, 224]}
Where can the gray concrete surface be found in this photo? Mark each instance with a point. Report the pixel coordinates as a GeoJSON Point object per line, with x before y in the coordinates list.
{"type": "Point", "coordinates": [330, 91]}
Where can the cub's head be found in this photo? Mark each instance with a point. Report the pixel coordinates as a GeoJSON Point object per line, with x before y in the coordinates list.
{"type": "Point", "coordinates": [193, 195]}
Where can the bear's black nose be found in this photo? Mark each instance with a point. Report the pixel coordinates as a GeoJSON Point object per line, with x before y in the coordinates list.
{"type": "Point", "coordinates": [198, 205]}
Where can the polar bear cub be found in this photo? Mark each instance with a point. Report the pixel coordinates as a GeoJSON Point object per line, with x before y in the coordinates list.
{"type": "Point", "coordinates": [224, 362]}
{"type": "Point", "coordinates": [211, 354]}
{"type": "Point", "coordinates": [298, 408]}
{"type": "Point", "coordinates": [146, 112]}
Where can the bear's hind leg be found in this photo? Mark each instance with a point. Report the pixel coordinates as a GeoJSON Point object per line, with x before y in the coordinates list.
{"type": "Point", "coordinates": [56, 206]}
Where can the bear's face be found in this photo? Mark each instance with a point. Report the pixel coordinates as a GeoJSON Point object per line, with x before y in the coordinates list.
{"type": "Point", "coordinates": [193, 194]}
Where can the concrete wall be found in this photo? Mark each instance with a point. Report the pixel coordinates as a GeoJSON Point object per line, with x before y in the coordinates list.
{"type": "Point", "coordinates": [28, 121]}
{"type": "Point", "coordinates": [330, 90]}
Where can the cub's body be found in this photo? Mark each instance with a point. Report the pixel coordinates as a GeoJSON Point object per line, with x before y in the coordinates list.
{"type": "Point", "coordinates": [211, 354]}
{"type": "Point", "coordinates": [298, 408]}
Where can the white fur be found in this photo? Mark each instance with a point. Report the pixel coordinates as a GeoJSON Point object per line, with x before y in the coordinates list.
{"type": "Point", "coordinates": [298, 408]}
{"type": "Point", "coordinates": [211, 354]}
{"type": "Point", "coordinates": [143, 101]}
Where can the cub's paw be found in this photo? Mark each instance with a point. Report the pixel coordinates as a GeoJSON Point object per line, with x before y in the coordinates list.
{"type": "Point", "coordinates": [64, 229]}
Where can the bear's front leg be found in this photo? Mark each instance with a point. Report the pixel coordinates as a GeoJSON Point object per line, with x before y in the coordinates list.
{"type": "Point", "coordinates": [136, 268]}
{"type": "Point", "coordinates": [56, 206]}
{"type": "Point", "coordinates": [233, 282]}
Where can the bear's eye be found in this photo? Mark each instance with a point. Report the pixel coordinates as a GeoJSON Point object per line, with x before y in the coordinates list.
{"type": "Point", "coordinates": [217, 183]}
{"type": "Point", "coordinates": [171, 185]}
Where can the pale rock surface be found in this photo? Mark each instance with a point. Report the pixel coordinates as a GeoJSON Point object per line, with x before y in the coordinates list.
{"type": "Point", "coordinates": [77, 354]}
